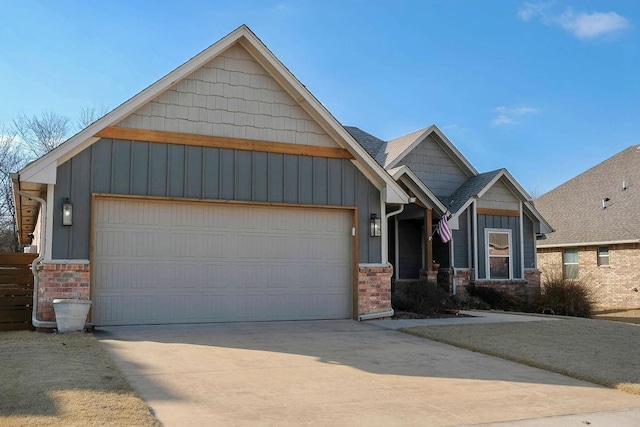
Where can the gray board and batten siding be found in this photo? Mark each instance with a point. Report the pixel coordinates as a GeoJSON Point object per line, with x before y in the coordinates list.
{"type": "Point", "coordinates": [529, 242]}
{"type": "Point", "coordinates": [504, 222]}
{"type": "Point", "coordinates": [179, 171]}
{"type": "Point", "coordinates": [461, 242]}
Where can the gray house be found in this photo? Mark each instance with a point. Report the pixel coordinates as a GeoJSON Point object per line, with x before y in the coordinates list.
{"type": "Point", "coordinates": [226, 192]}
{"type": "Point", "coordinates": [493, 222]}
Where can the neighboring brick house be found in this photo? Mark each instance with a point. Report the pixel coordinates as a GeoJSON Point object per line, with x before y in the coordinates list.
{"type": "Point", "coordinates": [597, 239]}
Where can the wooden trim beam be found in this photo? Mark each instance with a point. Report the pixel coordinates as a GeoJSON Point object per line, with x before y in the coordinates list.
{"type": "Point", "coordinates": [497, 212]}
{"type": "Point", "coordinates": [218, 201]}
{"type": "Point", "coordinates": [222, 142]}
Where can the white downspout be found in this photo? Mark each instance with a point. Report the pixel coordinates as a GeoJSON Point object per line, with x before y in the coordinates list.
{"type": "Point", "coordinates": [475, 241]}
{"type": "Point", "coordinates": [34, 265]}
{"type": "Point", "coordinates": [389, 313]}
{"type": "Point", "coordinates": [396, 266]}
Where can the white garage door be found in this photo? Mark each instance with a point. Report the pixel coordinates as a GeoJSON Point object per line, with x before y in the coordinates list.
{"type": "Point", "coordinates": [158, 262]}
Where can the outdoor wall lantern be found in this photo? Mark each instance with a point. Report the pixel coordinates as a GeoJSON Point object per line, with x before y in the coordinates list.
{"type": "Point", "coordinates": [375, 226]}
{"type": "Point", "coordinates": [67, 212]}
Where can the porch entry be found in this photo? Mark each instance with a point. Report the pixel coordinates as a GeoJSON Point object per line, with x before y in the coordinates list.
{"type": "Point", "coordinates": [411, 252]}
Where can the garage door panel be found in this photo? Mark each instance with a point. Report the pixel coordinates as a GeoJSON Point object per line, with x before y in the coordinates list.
{"type": "Point", "coordinates": [210, 262]}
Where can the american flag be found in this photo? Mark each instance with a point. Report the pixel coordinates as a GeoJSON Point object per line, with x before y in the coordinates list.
{"type": "Point", "coordinates": [443, 229]}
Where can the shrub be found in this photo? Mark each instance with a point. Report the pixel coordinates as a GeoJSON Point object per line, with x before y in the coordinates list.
{"type": "Point", "coordinates": [564, 297]}
{"type": "Point", "coordinates": [421, 297]}
{"type": "Point", "coordinates": [497, 300]}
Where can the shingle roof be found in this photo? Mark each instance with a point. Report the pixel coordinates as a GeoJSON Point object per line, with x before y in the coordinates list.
{"type": "Point", "coordinates": [575, 207]}
{"type": "Point", "coordinates": [369, 142]}
{"type": "Point", "coordinates": [395, 147]}
{"type": "Point", "coordinates": [471, 187]}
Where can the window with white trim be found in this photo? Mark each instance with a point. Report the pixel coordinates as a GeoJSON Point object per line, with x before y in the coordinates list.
{"type": "Point", "coordinates": [603, 255]}
{"type": "Point", "coordinates": [499, 254]}
{"type": "Point", "coordinates": [570, 264]}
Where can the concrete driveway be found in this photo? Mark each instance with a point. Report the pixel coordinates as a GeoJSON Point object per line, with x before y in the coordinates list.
{"type": "Point", "coordinates": [336, 373]}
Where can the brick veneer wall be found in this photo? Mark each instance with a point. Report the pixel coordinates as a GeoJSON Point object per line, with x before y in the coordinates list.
{"type": "Point", "coordinates": [614, 286]}
{"type": "Point", "coordinates": [60, 280]}
{"type": "Point", "coordinates": [374, 289]}
{"type": "Point", "coordinates": [526, 289]}
{"type": "Point", "coordinates": [462, 277]}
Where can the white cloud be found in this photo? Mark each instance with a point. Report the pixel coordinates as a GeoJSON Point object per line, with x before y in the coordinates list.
{"type": "Point", "coordinates": [592, 25]}
{"type": "Point", "coordinates": [282, 7]}
{"type": "Point", "coordinates": [510, 115]}
{"type": "Point", "coordinates": [502, 120]}
{"type": "Point", "coordinates": [582, 25]}
{"type": "Point", "coordinates": [528, 11]}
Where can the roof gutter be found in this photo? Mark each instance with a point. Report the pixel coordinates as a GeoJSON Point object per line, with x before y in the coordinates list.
{"type": "Point", "coordinates": [573, 245]}
{"type": "Point", "coordinates": [34, 265]}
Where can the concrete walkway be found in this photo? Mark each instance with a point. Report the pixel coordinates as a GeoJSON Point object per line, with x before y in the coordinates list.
{"type": "Point", "coordinates": [336, 373]}
{"type": "Point", "coordinates": [476, 316]}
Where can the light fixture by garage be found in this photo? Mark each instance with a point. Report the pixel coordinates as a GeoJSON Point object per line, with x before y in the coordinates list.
{"type": "Point", "coordinates": [375, 224]}
{"type": "Point", "coordinates": [67, 212]}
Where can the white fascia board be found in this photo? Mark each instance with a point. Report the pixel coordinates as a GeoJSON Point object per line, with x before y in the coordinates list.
{"type": "Point", "coordinates": [462, 159]}
{"type": "Point", "coordinates": [524, 197]}
{"type": "Point", "coordinates": [45, 174]}
{"type": "Point", "coordinates": [410, 148]}
{"type": "Point", "coordinates": [458, 158]}
{"type": "Point", "coordinates": [603, 243]}
{"type": "Point", "coordinates": [465, 206]}
{"type": "Point", "coordinates": [394, 193]}
{"type": "Point", "coordinates": [85, 137]}
{"type": "Point", "coordinates": [545, 227]}
{"type": "Point", "coordinates": [491, 183]}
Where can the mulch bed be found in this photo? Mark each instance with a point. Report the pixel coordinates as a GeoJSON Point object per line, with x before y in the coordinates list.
{"type": "Point", "coordinates": [430, 315]}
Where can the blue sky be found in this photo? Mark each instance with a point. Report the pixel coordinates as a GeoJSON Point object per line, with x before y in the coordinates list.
{"type": "Point", "coordinates": [545, 89]}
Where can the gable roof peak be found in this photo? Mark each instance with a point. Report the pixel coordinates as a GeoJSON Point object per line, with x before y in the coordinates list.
{"type": "Point", "coordinates": [43, 170]}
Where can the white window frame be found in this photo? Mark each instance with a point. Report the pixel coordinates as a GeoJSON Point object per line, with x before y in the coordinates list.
{"type": "Point", "coordinates": [487, 264]}
{"type": "Point", "coordinates": [565, 264]}
{"type": "Point", "coordinates": [600, 258]}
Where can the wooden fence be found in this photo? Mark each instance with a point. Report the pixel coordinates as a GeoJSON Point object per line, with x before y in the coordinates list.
{"type": "Point", "coordinates": [16, 291]}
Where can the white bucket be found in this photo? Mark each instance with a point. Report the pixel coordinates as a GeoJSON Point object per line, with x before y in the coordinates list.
{"type": "Point", "coordinates": [71, 314]}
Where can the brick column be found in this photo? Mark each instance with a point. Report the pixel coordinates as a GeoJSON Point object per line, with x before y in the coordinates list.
{"type": "Point", "coordinates": [60, 280]}
{"type": "Point", "coordinates": [463, 277]}
{"type": "Point", "coordinates": [374, 289]}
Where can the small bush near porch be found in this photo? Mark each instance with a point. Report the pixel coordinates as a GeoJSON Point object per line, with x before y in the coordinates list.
{"type": "Point", "coordinates": [423, 298]}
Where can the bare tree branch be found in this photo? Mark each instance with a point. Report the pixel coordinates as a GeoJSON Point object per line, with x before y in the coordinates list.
{"type": "Point", "coordinates": [88, 115]}
{"type": "Point", "coordinates": [11, 160]}
{"type": "Point", "coordinates": [41, 134]}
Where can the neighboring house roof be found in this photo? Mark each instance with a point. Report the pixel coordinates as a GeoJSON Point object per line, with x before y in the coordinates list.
{"type": "Point", "coordinates": [576, 211]}
{"type": "Point", "coordinates": [44, 169]}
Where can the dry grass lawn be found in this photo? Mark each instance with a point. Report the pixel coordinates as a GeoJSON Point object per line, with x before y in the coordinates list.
{"type": "Point", "coordinates": [604, 353]}
{"type": "Point", "coordinates": [62, 380]}
{"type": "Point", "coordinates": [627, 316]}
